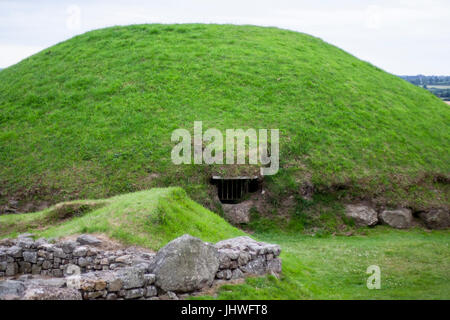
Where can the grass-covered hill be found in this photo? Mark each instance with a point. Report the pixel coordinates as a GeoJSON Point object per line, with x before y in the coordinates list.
{"type": "Point", "coordinates": [92, 116]}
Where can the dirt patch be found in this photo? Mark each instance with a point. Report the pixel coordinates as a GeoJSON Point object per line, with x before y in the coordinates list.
{"type": "Point", "coordinates": [67, 210]}
{"type": "Point", "coordinates": [212, 291]}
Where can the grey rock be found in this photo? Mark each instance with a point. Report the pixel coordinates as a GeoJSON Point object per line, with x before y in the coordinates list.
{"type": "Point", "coordinates": [47, 247]}
{"type": "Point", "coordinates": [30, 256]}
{"type": "Point", "coordinates": [39, 242]}
{"type": "Point", "coordinates": [35, 269]}
{"type": "Point", "coordinates": [274, 265]}
{"type": "Point", "coordinates": [94, 295]}
{"type": "Point", "coordinates": [185, 264]}
{"type": "Point", "coordinates": [224, 274]}
{"type": "Point", "coordinates": [126, 259]}
{"type": "Point", "coordinates": [57, 273]}
{"type": "Point", "coordinates": [111, 296]}
{"type": "Point", "coordinates": [89, 240]}
{"type": "Point", "coordinates": [361, 214]}
{"type": "Point", "coordinates": [243, 249]}
{"type": "Point", "coordinates": [25, 277]}
{"type": "Point", "coordinates": [68, 246]}
{"type": "Point", "coordinates": [436, 218]}
{"type": "Point", "coordinates": [237, 274]}
{"type": "Point", "coordinates": [134, 293]}
{"type": "Point", "coordinates": [149, 278]}
{"type": "Point", "coordinates": [7, 242]}
{"type": "Point", "coordinates": [131, 277]}
{"type": "Point", "coordinates": [11, 269]}
{"type": "Point", "coordinates": [51, 293]}
{"type": "Point", "coordinates": [115, 285]}
{"type": "Point", "coordinates": [59, 253]}
{"type": "Point", "coordinates": [13, 203]}
{"type": "Point", "coordinates": [24, 267]}
{"type": "Point", "coordinates": [255, 267]}
{"type": "Point", "coordinates": [14, 251]}
{"type": "Point", "coordinates": [80, 251]}
{"type": "Point", "coordinates": [51, 282]}
{"type": "Point", "coordinates": [238, 213]}
{"type": "Point", "coordinates": [11, 289]}
{"type": "Point", "coordinates": [400, 219]}
{"type": "Point", "coordinates": [235, 246]}
{"type": "Point", "coordinates": [244, 258]}
{"type": "Point", "coordinates": [82, 262]}
{"type": "Point", "coordinates": [47, 265]}
{"type": "Point", "coordinates": [172, 295]}
{"type": "Point", "coordinates": [25, 243]}
{"type": "Point", "coordinates": [224, 260]}
{"type": "Point", "coordinates": [151, 291]}
{"type": "Point", "coordinates": [45, 254]}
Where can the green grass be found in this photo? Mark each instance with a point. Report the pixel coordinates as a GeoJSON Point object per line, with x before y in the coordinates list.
{"type": "Point", "coordinates": [414, 264]}
{"type": "Point", "coordinates": [147, 218]}
{"type": "Point", "coordinates": [92, 117]}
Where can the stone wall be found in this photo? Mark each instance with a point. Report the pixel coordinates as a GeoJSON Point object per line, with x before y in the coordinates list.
{"type": "Point", "coordinates": [243, 255]}
{"type": "Point", "coordinates": [71, 270]}
{"type": "Point", "coordinates": [26, 256]}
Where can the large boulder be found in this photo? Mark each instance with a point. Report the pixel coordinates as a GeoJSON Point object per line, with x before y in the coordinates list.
{"type": "Point", "coordinates": [11, 289]}
{"type": "Point", "coordinates": [400, 218]}
{"type": "Point", "coordinates": [238, 213]}
{"type": "Point", "coordinates": [436, 218]}
{"type": "Point", "coordinates": [185, 264]}
{"type": "Point", "coordinates": [362, 215]}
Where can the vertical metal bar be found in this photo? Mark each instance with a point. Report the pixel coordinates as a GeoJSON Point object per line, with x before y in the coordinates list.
{"type": "Point", "coordinates": [241, 189]}
{"type": "Point", "coordinates": [226, 183]}
{"type": "Point", "coordinates": [238, 189]}
{"type": "Point", "coordinates": [232, 187]}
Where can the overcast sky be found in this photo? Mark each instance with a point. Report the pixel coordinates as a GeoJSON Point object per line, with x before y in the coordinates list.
{"type": "Point", "coordinates": [399, 36]}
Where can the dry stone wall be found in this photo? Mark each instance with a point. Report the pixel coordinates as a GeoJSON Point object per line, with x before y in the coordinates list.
{"type": "Point", "coordinates": [37, 269]}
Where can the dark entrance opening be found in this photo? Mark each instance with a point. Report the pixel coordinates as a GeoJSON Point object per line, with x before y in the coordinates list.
{"type": "Point", "coordinates": [233, 190]}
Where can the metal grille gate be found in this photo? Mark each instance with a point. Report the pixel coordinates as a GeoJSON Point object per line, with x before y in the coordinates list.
{"type": "Point", "coordinates": [232, 190]}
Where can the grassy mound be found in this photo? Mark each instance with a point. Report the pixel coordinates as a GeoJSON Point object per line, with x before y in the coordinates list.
{"type": "Point", "coordinates": [147, 218]}
{"type": "Point", "coordinates": [92, 117]}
